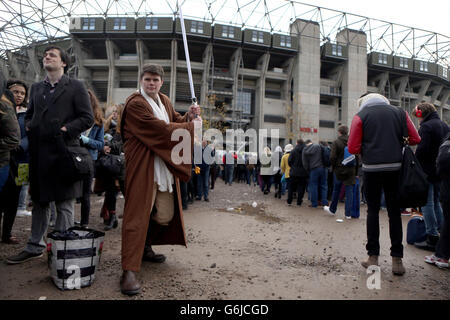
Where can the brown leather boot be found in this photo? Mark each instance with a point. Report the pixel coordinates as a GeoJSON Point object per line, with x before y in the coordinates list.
{"type": "Point", "coordinates": [397, 266]}
{"type": "Point", "coordinates": [129, 284]}
{"type": "Point", "coordinates": [372, 261]}
{"type": "Point", "coordinates": [151, 256]}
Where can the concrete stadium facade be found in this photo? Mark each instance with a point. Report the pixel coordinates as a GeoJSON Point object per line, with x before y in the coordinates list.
{"type": "Point", "coordinates": [245, 78]}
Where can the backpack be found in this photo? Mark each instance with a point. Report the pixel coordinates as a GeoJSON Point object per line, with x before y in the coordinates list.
{"type": "Point", "coordinates": [416, 231]}
{"type": "Point", "coordinates": [349, 159]}
{"type": "Point", "coordinates": [326, 151]}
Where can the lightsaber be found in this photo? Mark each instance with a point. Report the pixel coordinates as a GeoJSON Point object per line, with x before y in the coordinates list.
{"type": "Point", "coordinates": [188, 60]}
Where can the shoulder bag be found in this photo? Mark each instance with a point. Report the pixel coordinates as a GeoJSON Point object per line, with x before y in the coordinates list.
{"type": "Point", "coordinates": [413, 184]}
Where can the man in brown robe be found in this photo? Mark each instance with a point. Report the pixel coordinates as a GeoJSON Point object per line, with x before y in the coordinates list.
{"type": "Point", "coordinates": [153, 211]}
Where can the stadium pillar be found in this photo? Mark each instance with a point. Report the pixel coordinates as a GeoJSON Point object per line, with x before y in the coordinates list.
{"type": "Point", "coordinates": [354, 82]}
{"type": "Point", "coordinates": [262, 66]}
{"type": "Point", "coordinates": [306, 100]}
{"type": "Point", "coordinates": [111, 50]}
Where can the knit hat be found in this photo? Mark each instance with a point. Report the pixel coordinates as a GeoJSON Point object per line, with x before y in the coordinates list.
{"type": "Point", "coordinates": [288, 148]}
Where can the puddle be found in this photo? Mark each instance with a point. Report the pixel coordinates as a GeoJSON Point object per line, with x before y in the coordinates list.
{"type": "Point", "coordinates": [259, 212]}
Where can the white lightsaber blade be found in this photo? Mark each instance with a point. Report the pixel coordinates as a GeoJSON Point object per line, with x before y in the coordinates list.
{"type": "Point", "coordinates": [188, 60]}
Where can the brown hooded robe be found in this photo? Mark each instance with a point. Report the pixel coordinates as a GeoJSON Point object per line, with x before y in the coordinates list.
{"type": "Point", "coordinates": [145, 136]}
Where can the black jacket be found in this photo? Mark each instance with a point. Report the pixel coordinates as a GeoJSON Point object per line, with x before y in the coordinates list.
{"type": "Point", "coordinates": [296, 164]}
{"type": "Point", "coordinates": [432, 131]}
{"type": "Point", "coordinates": [444, 175]}
{"type": "Point", "coordinates": [67, 106]}
{"type": "Point", "coordinates": [345, 174]}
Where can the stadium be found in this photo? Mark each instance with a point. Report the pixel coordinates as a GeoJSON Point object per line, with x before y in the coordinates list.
{"type": "Point", "coordinates": [256, 64]}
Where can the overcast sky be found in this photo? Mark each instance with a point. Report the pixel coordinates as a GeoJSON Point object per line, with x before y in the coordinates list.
{"type": "Point", "coordinates": [430, 15]}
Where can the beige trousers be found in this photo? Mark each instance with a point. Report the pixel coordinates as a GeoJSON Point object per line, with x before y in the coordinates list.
{"type": "Point", "coordinates": [164, 202]}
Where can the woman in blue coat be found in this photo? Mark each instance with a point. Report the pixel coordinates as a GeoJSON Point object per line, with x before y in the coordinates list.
{"type": "Point", "coordinates": [93, 140]}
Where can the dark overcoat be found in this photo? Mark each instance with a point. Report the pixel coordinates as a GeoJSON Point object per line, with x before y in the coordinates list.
{"type": "Point", "coordinates": [47, 113]}
{"type": "Point", "coordinates": [432, 133]}
{"type": "Point", "coordinates": [347, 175]}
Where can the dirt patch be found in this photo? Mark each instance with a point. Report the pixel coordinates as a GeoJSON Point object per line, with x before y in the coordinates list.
{"type": "Point", "coordinates": [272, 251]}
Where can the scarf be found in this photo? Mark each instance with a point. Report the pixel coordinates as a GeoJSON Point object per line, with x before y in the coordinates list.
{"type": "Point", "coordinates": [162, 176]}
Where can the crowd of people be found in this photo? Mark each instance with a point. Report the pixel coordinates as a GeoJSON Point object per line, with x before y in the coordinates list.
{"type": "Point", "coordinates": [130, 146]}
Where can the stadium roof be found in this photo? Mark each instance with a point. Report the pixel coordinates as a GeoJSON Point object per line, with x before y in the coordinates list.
{"type": "Point", "coordinates": [24, 22]}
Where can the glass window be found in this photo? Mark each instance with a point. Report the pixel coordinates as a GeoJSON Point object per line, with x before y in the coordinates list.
{"type": "Point", "coordinates": [244, 102]}
{"type": "Point", "coordinates": [382, 58]}
{"type": "Point", "coordinates": [151, 24]}
{"type": "Point", "coordinates": [123, 24]}
{"type": "Point", "coordinates": [424, 66]}
{"type": "Point", "coordinates": [445, 72]}
{"type": "Point", "coordinates": [92, 24]}
{"type": "Point", "coordinates": [285, 41]}
{"type": "Point", "coordinates": [196, 26]}
{"type": "Point", "coordinates": [334, 50]}
{"type": "Point", "coordinates": [339, 51]}
{"type": "Point", "coordinates": [403, 62]}
{"type": "Point", "coordinates": [116, 24]}
{"type": "Point", "coordinates": [228, 32]}
{"type": "Point", "coordinates": [231, 32]}
{"type": "Point", "coordinates": [261, 37]}
{"type": "Point", "coordinates": [254, 36]}
{"type": "Point", "coordinates": [224, 31]}
{"type": "Point", "coordinates": [193, 26]}
{"type": "Point", "coordinates": [85, 24]}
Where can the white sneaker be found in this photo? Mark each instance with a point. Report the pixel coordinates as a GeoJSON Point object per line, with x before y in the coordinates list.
{"type": "Point", "coordinates": [23, 213]}
{"type": "Point", "coordinates": [327, 209]}
{"type": "Point", "coordinates": [348, 218]}
{"type": "Point", "coordinates": [339, 220]}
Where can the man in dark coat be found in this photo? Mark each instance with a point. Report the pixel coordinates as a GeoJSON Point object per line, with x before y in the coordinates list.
{"type": "Point", "coordinates": [343, 175]}
{"type": "Point", "coordinates": [298, 174]}
{"type": "Point", "coordinates": [432, 132]}
{"type": "Point", "coordinates": [58, 113]}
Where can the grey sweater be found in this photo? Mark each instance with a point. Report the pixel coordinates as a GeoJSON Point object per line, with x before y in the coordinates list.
{"type": "Point", "coordinates": [312, 157]}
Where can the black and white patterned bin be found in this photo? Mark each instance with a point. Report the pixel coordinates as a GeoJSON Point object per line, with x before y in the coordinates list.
{"type": "Point", "coordinates": [73, 257]}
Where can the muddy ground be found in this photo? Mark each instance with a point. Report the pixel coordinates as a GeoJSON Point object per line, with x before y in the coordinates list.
{"type": "Point", "coordinates": [269, 252]}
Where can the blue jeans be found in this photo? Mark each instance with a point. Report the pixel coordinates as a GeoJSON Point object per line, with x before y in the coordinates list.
{"type": "Point", "coordinates": [23, 197]}
{"type": "Point", "coordinates": [348, 197]}
{"type": "Point", "coordinates": [318, 180]}
{"type": "Point", "coordinates": [356, 200]}
{"type": "Point", "coordinates": [203, 182]}
{"type": "Point", "coordinates": [4, 172]}
{"type": "Point", "coordinates": [432, 211]}
{"type": "Point", "coordinates": [284, 186]}
{"type": "Point", "coordinates": [229, 169]}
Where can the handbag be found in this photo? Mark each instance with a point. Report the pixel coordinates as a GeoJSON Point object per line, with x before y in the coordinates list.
{"type": "Point", "coordinates": [413, 184]}
{"type": "Point", "coordinates": [110, 164]}
{"type": "Point", "coordinates": [78, 164]}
